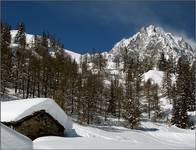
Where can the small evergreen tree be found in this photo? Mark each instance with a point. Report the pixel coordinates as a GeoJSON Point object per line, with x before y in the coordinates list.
{"type": "Point", "coordinates": [20, 37]}
{"type": "Point", "coordinates": [176, 108]}
{"type": "Point", "coordinates": [148, 94]}
{"type": "Point", "coordinates": [155, 101]}
{"type": "Point", "coordinates": [162, 62]}
{"type": "Point", "coordinates": [112, 101]}
{"type": "Point", "coordinates": [167, 84]}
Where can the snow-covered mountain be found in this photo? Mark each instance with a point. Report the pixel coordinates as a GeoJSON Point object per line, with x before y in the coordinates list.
{"type": "Point", "coordinates": [154, 40]}
{"type": "Point", "coordinates": [149, 40]}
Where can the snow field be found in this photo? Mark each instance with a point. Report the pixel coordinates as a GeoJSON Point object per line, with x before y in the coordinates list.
{"type": "Point", "coordinates": [152, 136]}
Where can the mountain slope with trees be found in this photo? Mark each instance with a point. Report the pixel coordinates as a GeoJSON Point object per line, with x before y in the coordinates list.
{"type": "Point", "coordinates": [92, 86]}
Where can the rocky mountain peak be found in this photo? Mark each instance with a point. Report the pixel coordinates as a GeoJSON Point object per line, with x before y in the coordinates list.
{"type": "Point", "coordinates": [154, 40]}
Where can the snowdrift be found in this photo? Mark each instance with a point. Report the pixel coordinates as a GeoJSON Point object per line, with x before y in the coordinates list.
{"type": "Point", "coordinates": [18, 109]}
{"type": "Point", "coordinates": [10, 139]}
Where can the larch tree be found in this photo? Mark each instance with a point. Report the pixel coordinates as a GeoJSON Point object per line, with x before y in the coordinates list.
{"type": "Point", "coordinates": [183, 93]}
{"type": "Point", "coordinates": [131, 104]}
{"type": "Point", "coordinates": [192, 103]}
{"type": "Point", "coordinates": [162, 62]}
{"type": "Point", "coordinates": [6, 57]}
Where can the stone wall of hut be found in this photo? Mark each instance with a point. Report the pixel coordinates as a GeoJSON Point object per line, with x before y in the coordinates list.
{"type": "Point", "coordinates": [38, 125]}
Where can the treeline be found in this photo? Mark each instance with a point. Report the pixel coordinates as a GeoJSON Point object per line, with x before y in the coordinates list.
{"type": "Point", "coordinates": [44, 69]}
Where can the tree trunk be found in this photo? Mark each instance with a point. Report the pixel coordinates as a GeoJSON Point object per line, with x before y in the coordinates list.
{"type": "Point", "coordinates": [23, 89]}
{"type": "Point", "coordinates": [148, 109]}
{"type": "Point", "coordinates": [28, 82]}
{"type": "Point", "coordinates": [38, 89]}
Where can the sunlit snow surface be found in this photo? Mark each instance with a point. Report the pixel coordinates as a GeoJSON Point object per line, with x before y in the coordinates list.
{"type": "Point", "coordinates": [29, 37]}
{"type": "Point", "coordinates": [150, 136]}
{"type": "Point", "coordinates": [155, 75]}
{"type": "Point", "coordinates": [11, 139]}
{"type": "Point", "coordinates": [74, 55]}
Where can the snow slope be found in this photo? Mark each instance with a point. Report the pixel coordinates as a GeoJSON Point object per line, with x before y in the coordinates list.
{"type": "Point", "coordinates": [29, 37]}
{"type": "Point", "coordinates": [30, 41]}
{"type": "Point", "coordinates": [155, 76]}
{"type": "Point", "coordinates": [10, 139]}
{"type": "Point", "coordinates": [192, 117]}
{"type": "Point", "coordinates": [74, 55]}
{"type": "Point", "coordinates": [150, 136]}
{"type": "Point", "coordinates": [18, 109]}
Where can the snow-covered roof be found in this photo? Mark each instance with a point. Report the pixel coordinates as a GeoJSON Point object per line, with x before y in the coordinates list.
{"type": "Point", "coordinates": [11, 139]}
{"type": "Point", "coordinates": [18, 109]}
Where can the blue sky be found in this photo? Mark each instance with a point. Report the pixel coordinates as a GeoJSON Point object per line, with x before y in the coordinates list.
{"type": "Point", "coordinates": [83, 26]}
